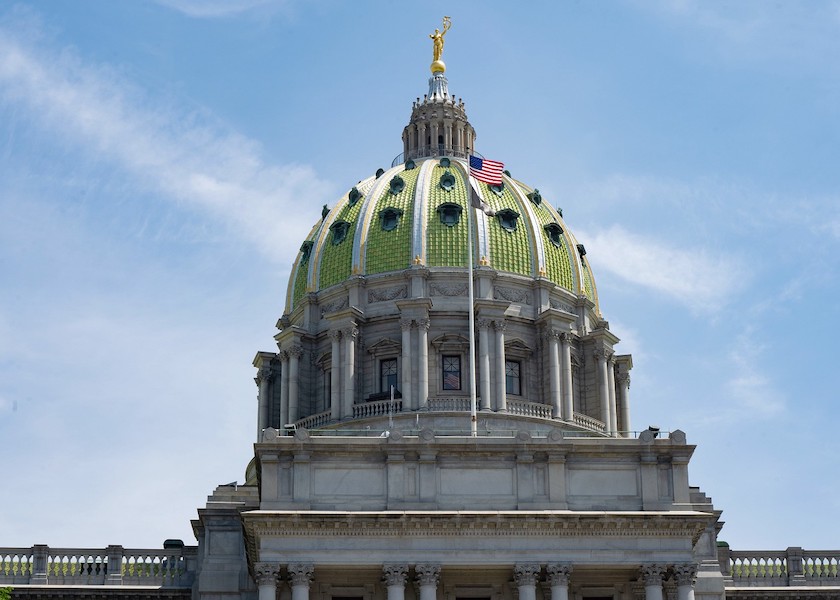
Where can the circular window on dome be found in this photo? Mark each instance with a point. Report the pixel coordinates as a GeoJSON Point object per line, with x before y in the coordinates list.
{"type": "Point", "coordinates": [445, 162]}
{"type": "Point", "coordinates": [409, 164]}
{"type": "Point", "coordinates": [507, 219]}
{"type": "Point", "coordinates": [447, 181]}
{"type": "Point", "coordinates": [450, 213]}
{"type": "Point", "coordinates": [339, 231]}
{"type": "Point", "coordinates": [354, 196]}
{"type": "Point", "coordinates": [390, 218]}
{"type": "Point", "coordinates": [555, 233]}
{"type": "Point", "coordinates": [397, 184]}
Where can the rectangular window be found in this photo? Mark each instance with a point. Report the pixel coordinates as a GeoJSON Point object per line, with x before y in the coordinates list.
{"type": "Point", "coordinates": [388, 375]}
{"type": "Point", "coordinates": [451, 372]}
{"type": "Point", "coordinates": [513, 380]}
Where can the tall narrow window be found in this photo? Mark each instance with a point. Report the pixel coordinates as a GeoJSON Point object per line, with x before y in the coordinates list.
{"type": "Point", "coordinates": [451, 372]}
{"type": "Point", "coordinates": [388, 374]}
{"type": "Point", "coordinates": [513, 379]}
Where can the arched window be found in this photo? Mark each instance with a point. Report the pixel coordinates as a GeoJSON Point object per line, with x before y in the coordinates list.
{"type": "Point", "coordinates": [450, 213]}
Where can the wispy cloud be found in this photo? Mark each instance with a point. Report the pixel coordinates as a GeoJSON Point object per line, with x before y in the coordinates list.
{"type": "Point", "coordinates": [204, 9]}
{"type": "Point", "coordinates": [184, 155]}
{"type": "Point", "coordinates": [694, 277]}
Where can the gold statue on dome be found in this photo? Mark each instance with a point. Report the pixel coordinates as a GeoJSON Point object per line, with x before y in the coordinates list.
{"type": "Point", "coordinates": [437, 46]}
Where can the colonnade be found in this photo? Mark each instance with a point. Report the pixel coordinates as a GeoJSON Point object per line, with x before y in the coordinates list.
{"type": "Point", "coordinates": [526, 577]}
{"type": "Point", "coordinates": [422, 138]}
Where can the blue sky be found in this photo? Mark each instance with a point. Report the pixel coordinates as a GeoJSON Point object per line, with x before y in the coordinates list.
{"type": "Point", "coordinates": [160, 162]}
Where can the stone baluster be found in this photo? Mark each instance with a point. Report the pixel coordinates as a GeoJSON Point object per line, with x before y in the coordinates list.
{"type": "Point", "coordinates": [284, 388]}
{"type": "Point", "coordinates": [484, 362]}
{"type": "Point", "coordinates": [611, 386]}
{"type": "Point", "coordinates": [295, 352]}
{"type": "Point", "coordinates": [300, 576]}
{"type": "Point", "coordinates": [407, 397]}
{"type": "Point", "coordinates": [428, 576]}
{"type": "Point", "coordinates": [566, 362]}
{"type": "Point", "coordinates": [558, 579]}
{"type": "Point", "coordinates": [423, 354]}
{"type": "Point", "coordinates": [623, 380]}
{"type": "Point", "coordinates": [652, 575]}
{"type": "Point", "coordinates": [501, 387]}
{"type": "Point", "coordinates": [686, 575]}
{"type": "Point", "coordinates": [525, 576]}
{"type": "Point", "coordinates": [554, 374]}
{"type": "Point", "coordinates": [262, 380]}
{"type": "Point", "coordinates": [349, 368]}
{"type": "Point", "coordinates": [335, 375]}
{"type": "Point", "coordinates": [265, 575]}
{"type": "Point", "coordinates": [394, 576]}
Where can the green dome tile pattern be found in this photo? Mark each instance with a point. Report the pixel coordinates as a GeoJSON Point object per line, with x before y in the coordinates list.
{"type": "Point", "coordinates": [391, 250]}
{"type": "Point", "coordinates": [510, 250]}
{"type": "Point", "coordinates": [336, 259]}
{"type": "Point", "coordinates": [447, 246]}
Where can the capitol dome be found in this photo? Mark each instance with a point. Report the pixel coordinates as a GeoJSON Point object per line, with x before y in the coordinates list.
{"type": "Point", "coordinates": [383, 328]}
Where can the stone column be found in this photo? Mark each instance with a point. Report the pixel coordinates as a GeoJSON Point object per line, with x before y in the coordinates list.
{"type": "Point", "coordinates": [601, 355]}
{"type": "Point", "coordinates": [611, 384]}
{"type": "Point", "coordinates": [623, 380]}
{"type": "Point", "coordinates": [265, 574]}
{"type": "Point", "coordinates": [566, 363]}
{"type": "Point", "coordinates": [652, 576]}
{"type": "Point", "coordinates": [394, 577]}
{"type": "Point", "coordinates": [263, 378]}
{"type": "Point", "coordinates": [434, 143]}
{"type": "Point", "coordinates": [558, 578]}
{"type": "Point", "coordinates": [349, 369]}
{"type": "Point", "coordinates": [423, 366]}
{"type": "Point", "coordinates": [407, 396]}
{"type": "Point", "coordinates": [335, 375]}
{"type": "Point", "coordinates": [525, 576]}
{"type": "Point", "coordinates": [484, 363]}
{"type": "Point", "coordinates": [501, 389]}
{"type": "Point", "coordinates": [554, 374]}
{"type": "Point", "coordinates": [300, 576]}
{"type": "Point", "coordinates": [427, 578]}
{"type": "Point", "coordinates": [295, 352]}
{"type": "Point", "coordinates": [686, 575]}
{"type": "Point", "coordinates": [422, 141]}
{"type": "Point", "coordinates": [284, 389]}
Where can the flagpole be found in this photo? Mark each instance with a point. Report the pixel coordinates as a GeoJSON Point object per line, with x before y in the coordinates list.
{"type": "Point", "coordinates": [473, 416]}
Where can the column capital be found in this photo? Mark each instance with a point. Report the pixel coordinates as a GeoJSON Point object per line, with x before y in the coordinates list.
{"type": "Point", "coordinates": [483, 323]}
{"type": "Point", "coordinates": [351, 331]}
{"type": "Point", "coordinates": [295, 351]}
{"type": "Point", "coordinates": [500, 325]}
{"type": "Point", "coordinates": [283, 356]}
{"type": "Point", "coordinates": [266, 573]}
{"type": "Point", "coordinates": [623, 379]}
{"type": "Point", "coordinates": [394, 574]}
{"type": "Point", "coordinates": [423, 324]}
{"type": "Point", "coordinates": [685, 574]}
{"type": "Point", "coordinates": [526, 574]}
{"type": "Point", "coordinates": [567, 337]}
{"type": "Point", "coordinates": [601, 353]}
{"type": "Point", "coordinates": [652, 574]}
{"type": "Point", "coordinates": [301, 573]}
{"type": "Point", "coordinates": [405, 324]}
{"type": "Point", "coordinates": [335, 334]}
{"type": "Point", "coordinates": [263, 374]}
{"type": "Point", "coordinates": [558, 573]}
{"type": "Point", "coordinates": [427, 573]}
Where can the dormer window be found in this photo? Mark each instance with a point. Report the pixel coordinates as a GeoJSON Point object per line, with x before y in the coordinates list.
{"type": "Point", "coordinates": [450, 213]}
{"type": "Point", "coordinates": [339, 231]}
{"type": "Point", "coordinates": [499, 190]}
{"type": "Point", "coordinates": [535, 197]}
{"type": "Point", "coordinates": [390, 218]}
{"type": "Point", "coordinates": [507, 219]}
{"type": "Point", "coordinates": [306, 250]}
{"type": "Point", "coordinates": [447, 181]}
{"type": "Point", "coordinates": [354, 196]}
{"type": "Point", "coordinates": [554, 233]}
{"type": "Point", "coordinates": [396, 185]}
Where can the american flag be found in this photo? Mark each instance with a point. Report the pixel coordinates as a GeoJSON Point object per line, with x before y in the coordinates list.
{"type": "Point", "coordinates": [488, 171]}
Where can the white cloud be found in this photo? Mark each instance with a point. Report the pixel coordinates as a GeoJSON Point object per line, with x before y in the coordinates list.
{"type": "Point", "coordinates": [218, 8]}
{"type": "Point", "coordinates": [185, 155]}
{"type": "Point", "coordinates": [693, 276]}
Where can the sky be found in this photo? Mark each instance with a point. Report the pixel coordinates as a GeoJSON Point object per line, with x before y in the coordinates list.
{"type": "Point", "coordinates": [162, 160]}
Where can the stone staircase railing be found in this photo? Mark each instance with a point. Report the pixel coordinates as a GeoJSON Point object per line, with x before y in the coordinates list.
{"type": "Point", "coordinates": [114, 565]}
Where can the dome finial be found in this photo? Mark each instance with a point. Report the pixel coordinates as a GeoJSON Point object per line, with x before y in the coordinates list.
{"type": "Point", "coordinates": [437, 46]}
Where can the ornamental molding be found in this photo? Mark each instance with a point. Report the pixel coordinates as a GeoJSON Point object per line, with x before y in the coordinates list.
{"type": "Point", "coordinates": [334, 306]}
{"type": "Point", "coordinates": [556, 304]}
{"type": "Point", "coordinates": [386, 294]}
{"type": "Point", "coordinates": [511, 295]}
{"type": "Point", "coordinates": [439, 289]}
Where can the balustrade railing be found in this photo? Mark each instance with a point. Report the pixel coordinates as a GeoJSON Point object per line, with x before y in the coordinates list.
{"type": "Point", "coordinates": [793, 566]}
{"type": "Point", "coordinates": [588, 422]}
{"type": "Point", "coordinates": [315, 421]}
{"type": "Point", "coordinates": [114, 565]}
{"type": "Point", "coordinates": [377, 408]}
{"type": "Point", "coordinates": [455, 404]}
{"type": "Point", "coordinates": [528, 409]}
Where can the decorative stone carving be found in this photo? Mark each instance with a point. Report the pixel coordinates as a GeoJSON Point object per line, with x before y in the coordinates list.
{"type": "Point", "coordinates": [499, 325]}
{"type": "Point", "coordinates": [511, 295]}
{"type": "Point", "coordinates": [424, 324]}
{"type": "Point", "coordinates": [567, 337]}
{"type": "Point", "coordinates": [438, 289]}
{"type": "Point", "coordinates": [301, 573]}
{"type": "Point", "coordinates": [483, 323]}
{"type": "Point", "coordinates": [351, 331]}
{"type": "Point", "coordinates": [266, 573]}
{"type": "Point", "coordinates": [601, 353]}
{"type": "Point", "coordinates": [334, 335]}
{"type": "Point", "coordinates": [264, 374]}
{"type": "Point", "coordinates": [334, 306]}
{"type": "Point", "coordinates": [427, 574]}
{"type": "Point", "coordinates": [558, 573]}
{"type": "Point", "coordinates": [623, 379]}
{"type": "Point", "coordinates": [386, 294]}
{"type": "Point", "coordinates": [295, 351]}
{"type": "Point", "coordinates": [685, 574]}
{"type": "Point", "coordinates": [526, 574]}
{"type": "Point", "coordinates": [405, 324]}
{"type": "Point", "coordinates": [394, 574]}
{"type": "Point", "coordinates": [652, 574]}
{"type": "Point", "coordinates": [554, 303]}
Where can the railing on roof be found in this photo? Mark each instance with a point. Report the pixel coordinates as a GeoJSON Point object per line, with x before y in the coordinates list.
{"type": "Point", "coordinates": [771, 568]}
{"type": "Point", "coordinates": [114, 565]}
{"type": "Point", "coordinates": [434, 151]}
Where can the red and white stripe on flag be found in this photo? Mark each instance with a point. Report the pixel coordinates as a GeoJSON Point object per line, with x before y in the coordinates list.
{"type": "Point", "coordinates": [488, 171]}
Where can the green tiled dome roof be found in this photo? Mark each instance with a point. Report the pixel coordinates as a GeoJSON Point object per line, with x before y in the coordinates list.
{"type": "Point", "coordinates": [418, 214]}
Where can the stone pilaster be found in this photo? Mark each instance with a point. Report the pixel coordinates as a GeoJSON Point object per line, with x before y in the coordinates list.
{"type": "Point", "coordinates": [423, 366]}
{"type": "Point", "coordinates": [553, 339]}
{"type": "Point", "coordinates": [406, 391]}
{"type": "Point", "coordinates": [349, 334]}
{"type": "Point", "coordinates": [501, 389]}
{"type": "Point", "coordinates": [335, 375]}
{"type": "Point", "coordinates": [566, 363]}
{"type": "Point", "coordinates": [484, 362]}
